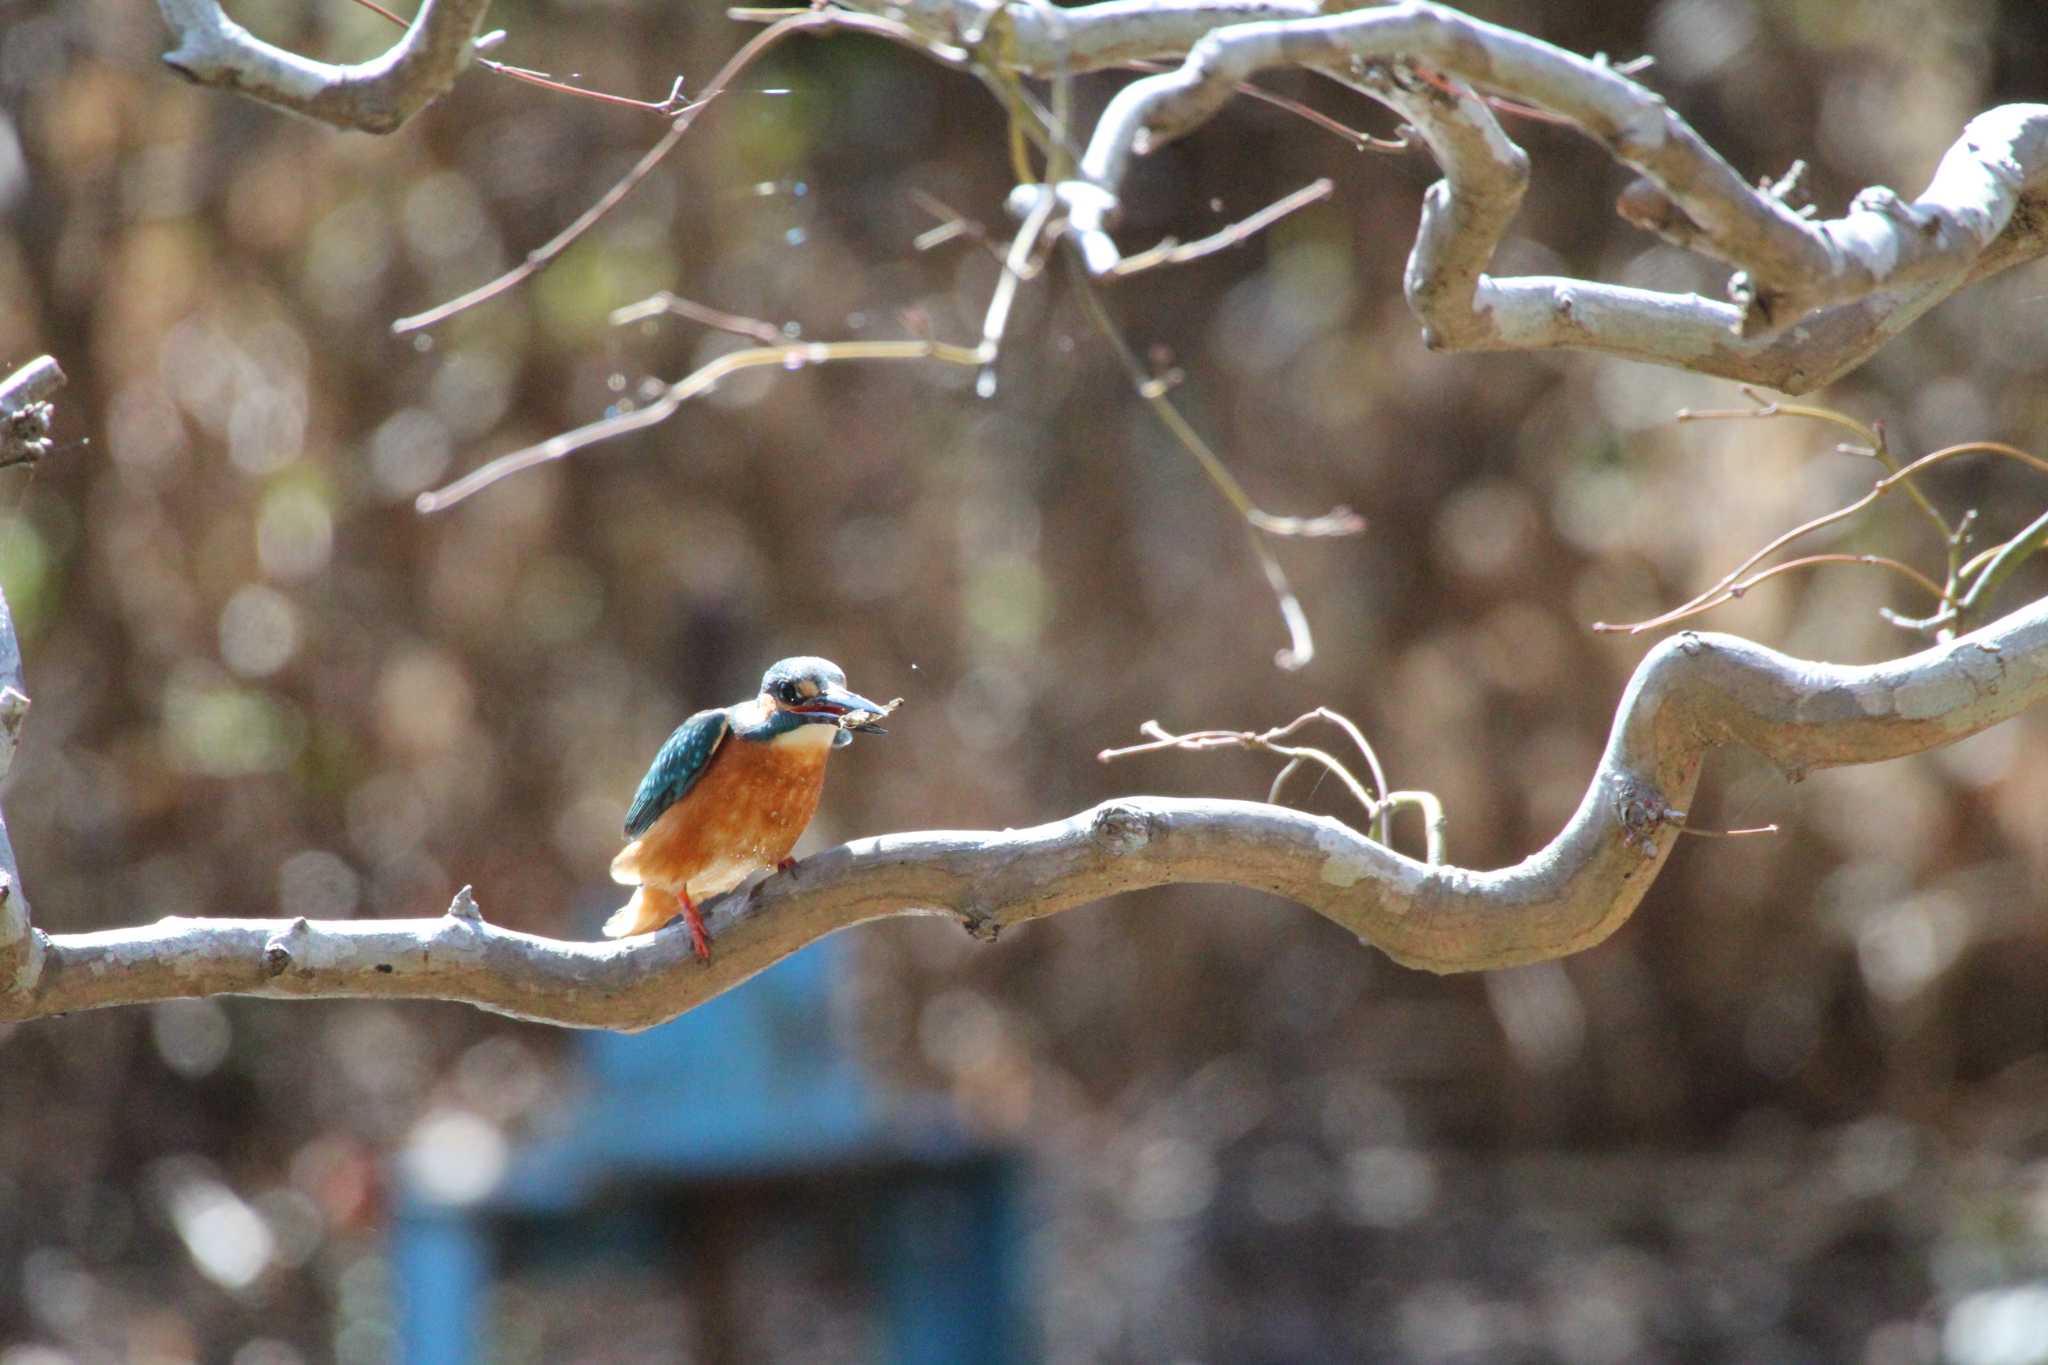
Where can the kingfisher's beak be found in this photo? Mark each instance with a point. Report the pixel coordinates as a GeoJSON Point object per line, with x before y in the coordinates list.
{"type": "Point", "coordinates": [835, 702]}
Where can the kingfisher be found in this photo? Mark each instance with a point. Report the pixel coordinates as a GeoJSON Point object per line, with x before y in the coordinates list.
{"type": "Point", "coordinates": [731, 791]}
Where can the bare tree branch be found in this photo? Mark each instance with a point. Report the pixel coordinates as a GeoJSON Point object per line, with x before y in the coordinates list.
{"type": "Point", "coordinates": [1811, 299]}
{"type": "Point", "coordinates": [1690, 695]}
{"type": "Point", "coordinates": [542, 256]}
{"type": "Point", "coordinates": [25, 415]}
{"type": "Point", "coordinates": [25, 409]}
{"type": "Point", "coordinates": [376, 96]}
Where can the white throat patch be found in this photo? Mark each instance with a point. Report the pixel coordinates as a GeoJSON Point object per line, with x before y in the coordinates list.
{"type": "Point", "coordinates": [805, 737]}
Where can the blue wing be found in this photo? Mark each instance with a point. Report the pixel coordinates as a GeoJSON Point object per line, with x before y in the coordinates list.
{"type": "Point", "coordinates": [676, 769]}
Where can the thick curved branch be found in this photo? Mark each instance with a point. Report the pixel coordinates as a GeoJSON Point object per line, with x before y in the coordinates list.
{"type": "Point", "coordinates": [1811, 299]}
{"type": "Point", "coordinates": [1466, 214]}
{"type": "Point", "coordinates": [1042, 41]}
{"type": "Point", "coordinates": [376, 96]}
{"type": "Point", "coordinates": [1690, 695]}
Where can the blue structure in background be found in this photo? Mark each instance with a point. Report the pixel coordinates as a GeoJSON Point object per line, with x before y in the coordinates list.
{"type": "Point", "coordinates": [745, 1092]}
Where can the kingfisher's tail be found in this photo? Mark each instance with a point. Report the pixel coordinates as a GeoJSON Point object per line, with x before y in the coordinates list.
{"type": "Point", "coordinates": [647, 911]}
{"type": "Point", "coordinates": [626, 864]}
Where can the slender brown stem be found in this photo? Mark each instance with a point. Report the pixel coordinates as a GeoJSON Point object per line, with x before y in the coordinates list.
{"type": "Point", "coordinates": [1170, 252]}
{"type": "Point", "coordinates": [539, 258]}
{"type": "Point", "coordinates": [793, 355]}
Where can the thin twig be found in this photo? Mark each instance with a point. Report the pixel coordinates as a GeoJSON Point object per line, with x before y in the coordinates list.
{"type": "Point", "coordinates": [1729, 592]}
{"type": "Point", "coordinates": [539, 258]}
{"type": "Point", "coordinates": [375, 8]}
{"type": "Point", "coordinates": [1743, 833]}
{"type": "Point", "coordinates": [1364, 142]}
{"type": "Point", "coordinates": [1435, 825]}
{"type": "Point", "coordinates": [1499, 103]}
{"type": "Point", "coordinates": [1301, 644]}
{"type": "Point", "coordinates": [1358, 740]}
{"type": "Point", "coordinates": [1871, 443]}
{"type": "Point", "coordinates": [951, 224]}
{"type": "Point", "coordinates": [1352, 732]}
{"type": "Point", "coordinates": [1977, 447]}
{"type": "Point", "coordinates": [1766, 408]}
{"type": "Point", "coordinates": [1259, 523]}
{"type": "Point", "coordinates": [1338, 521]}
{"type": "Point", "coordinates": [1020, 263]}
{"type": "Point", "coordinates": [1170, 252]}
{"type": "Point", "coordinates": [767, 333]}
{"type": "Point", "coordinates": [1378, 803]}
{"type": "Point", "coordinates": [793, 355]}
{"type": "Point", "coordinates": [1906, 571]}
{"type": "Point", "coordinates": [669, 107]}
{"type": "Point", "coordinates": [1263, 741]}
{"type": "Point", "coordinates": [2004, 560]}
{"type": "Point", "coordinates": [1720, 592]}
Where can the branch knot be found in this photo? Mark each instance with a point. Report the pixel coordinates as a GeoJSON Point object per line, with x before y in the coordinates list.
{"type": "Point", "coordinates": [279, 948]}
{"type": "Point", "coordinates": [1118, 829]}
{"type": "Point", "coordinates": [25, 412]}
{"type": "Point", "coordinates": [21, 943]}
{"type": "Point", "coordinates": [1641, 811]}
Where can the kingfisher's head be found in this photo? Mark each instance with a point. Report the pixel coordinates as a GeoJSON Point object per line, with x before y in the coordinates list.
{"type": "Point", "coordinates": [813, 691]}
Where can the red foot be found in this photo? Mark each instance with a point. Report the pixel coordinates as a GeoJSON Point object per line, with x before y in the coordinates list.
{"type": "Point", "coordinates": [700, 938]}
{"type": "Point", "coordinates": [786, 865]}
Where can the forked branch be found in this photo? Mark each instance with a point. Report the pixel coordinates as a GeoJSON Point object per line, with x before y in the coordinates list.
{"type": "Point", "coordinates": [1690, 695]}
{"type": "Point", "coordinates": [376, 96]}
{"type": "Point", "coordinates": [1810, 299]}
{"type": "Point", "coordinates": [1966, 587]}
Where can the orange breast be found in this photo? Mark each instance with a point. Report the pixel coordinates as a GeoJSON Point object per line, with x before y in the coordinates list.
{"type": "Point", "coordinates": [744, 814]}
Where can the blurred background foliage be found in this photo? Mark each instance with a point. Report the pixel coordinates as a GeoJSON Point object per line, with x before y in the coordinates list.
{"type": "Point", "coordinates": [1796, 1110]}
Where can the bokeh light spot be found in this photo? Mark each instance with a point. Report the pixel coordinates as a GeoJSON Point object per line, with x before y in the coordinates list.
{"type": "Point", "coordinates": [1388, 1187]}
{"type": "Point", "coordinates": [259, 631]}
{"type": "Point", "coordinates": [218, 730]}
{"type": "Point", "coordinates": [192, 1036]}
{"type": "Point", "coordinates": [409, 451]}
{"type": "Point", "coordinates": [1998, 1327]}
{"type": "Point", "coordinates": [455, 1157]}
{"type": "Point", "coordinates": [294, 534]}
{"type": "Point", "coordinates": [318, 885]}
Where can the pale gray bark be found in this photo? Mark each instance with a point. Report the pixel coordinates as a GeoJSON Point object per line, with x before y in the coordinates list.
{"type": "Point", "coordinates": [25, 411]}
{"type": "Point", "coordinates": [1811, 300]}
{"type": "Point", "coordinates": [1690, 695]}
{"type": "Point", "coordinates": [376, 96]}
